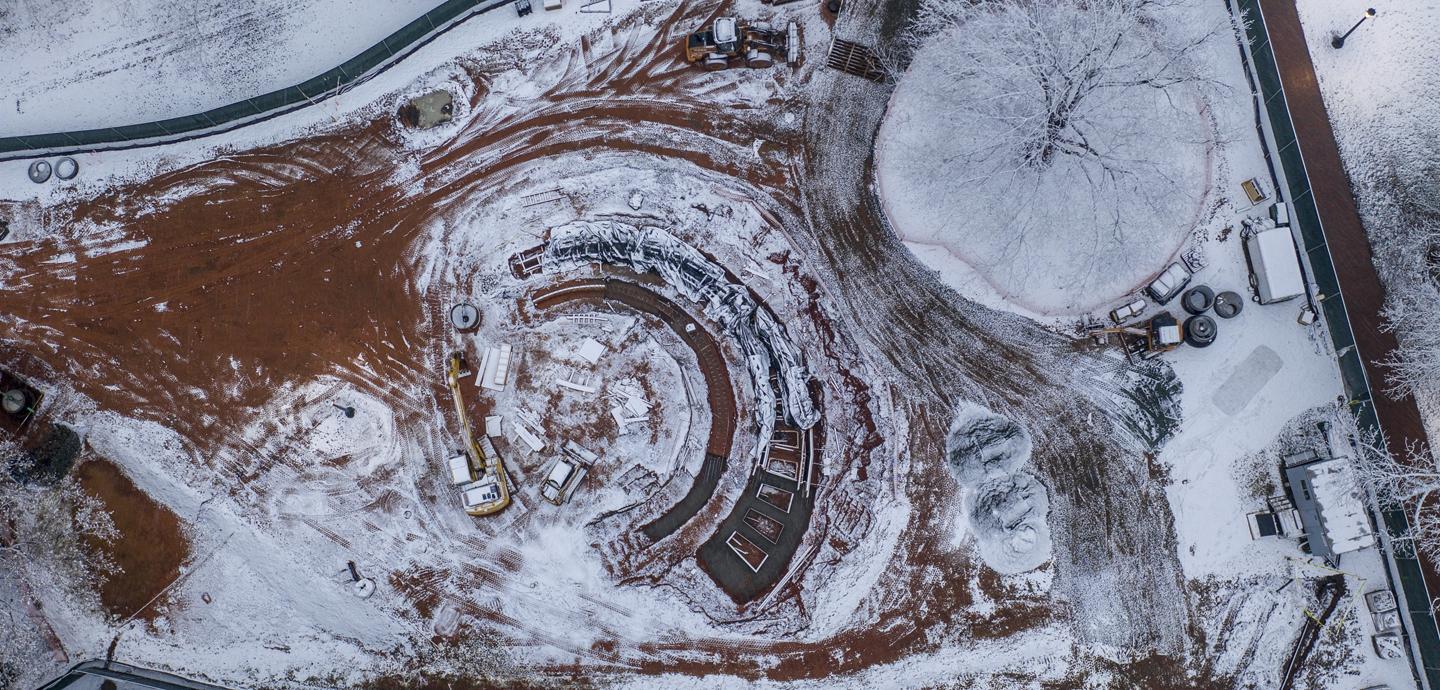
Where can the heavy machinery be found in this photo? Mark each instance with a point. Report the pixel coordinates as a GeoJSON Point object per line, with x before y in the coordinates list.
{"type": "Point", "coordinates": [489, 492]}
{"type": "Point", "coordinates": [1162, 333]}
{"type": "Point", "coordinates": [18, 401]}
{"type": "Point", "coordinates": [727, 41]}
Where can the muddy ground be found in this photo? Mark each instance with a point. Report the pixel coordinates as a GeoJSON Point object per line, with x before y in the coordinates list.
{"type": "Point", "coordinates": [149, 550]}
{"type": "Point", "coordinates": [293, 261]}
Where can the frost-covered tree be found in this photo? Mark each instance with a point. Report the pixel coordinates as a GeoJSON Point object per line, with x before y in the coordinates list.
{"type": "Point", "coordinates": [49, 532]}
{"type": "Point", "coordinates": [1045, 74]}
{"type": "Point", "coordinates": [1063, 149]}
{"type": "Point", "coordinates": [1411, 482]}
{"type": "Point", "coordinates": [1411, 258]}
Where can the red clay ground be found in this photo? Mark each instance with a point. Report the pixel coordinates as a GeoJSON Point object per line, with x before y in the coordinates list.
{"type": "Point", "coordinates": [151, 546]}
{"type": "Point", "coordinates": [284, 263]}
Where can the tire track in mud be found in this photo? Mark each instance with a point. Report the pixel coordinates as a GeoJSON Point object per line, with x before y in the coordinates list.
{"type": "Point", "coordinates": [1111, 521]}
{"type": "Point", "coordinates": [296, 260]}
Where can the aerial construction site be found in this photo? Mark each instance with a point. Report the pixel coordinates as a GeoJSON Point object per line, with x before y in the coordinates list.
{"type": "Point", "coordinates": [659, 344]}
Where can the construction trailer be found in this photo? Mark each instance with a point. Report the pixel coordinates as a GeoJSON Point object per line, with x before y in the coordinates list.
{"type": "Point", "coordinates": [488, 492]}
{"type": "Point", "coordinates": [1274, 266]}
{"type": "Point", "coordinates": [729, 41]}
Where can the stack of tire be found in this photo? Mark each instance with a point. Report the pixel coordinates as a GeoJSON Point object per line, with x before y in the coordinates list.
{"type": "Point", "coordinates": [1200, 330]}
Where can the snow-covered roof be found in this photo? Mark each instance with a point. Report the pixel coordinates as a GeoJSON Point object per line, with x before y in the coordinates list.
{"type": "Point", "coordinates": [1277, 268]}
{"type": "Point", "coordinates": [1332, 511]}
{"type": "Point", "coordinates": [1342, 512]}
{"type": "Point", "coordinates": [460, 469]}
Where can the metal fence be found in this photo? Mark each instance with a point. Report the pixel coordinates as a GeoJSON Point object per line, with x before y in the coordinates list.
{"type": "Point", "coordinates": [356, 70]}
{"type": "Point", "coordinates": [1306, 217]}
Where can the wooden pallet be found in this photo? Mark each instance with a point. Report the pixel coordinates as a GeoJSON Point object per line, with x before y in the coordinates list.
{"type": "Point", "coordinates": [853, 58]}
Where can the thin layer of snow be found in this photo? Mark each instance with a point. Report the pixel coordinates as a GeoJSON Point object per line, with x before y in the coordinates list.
{"type": "Point", "coordinates": [148, 60]}
{"type": "Point", "coordinates": [1005, 506]}
{"type": "Point", "coordinates": [1059, 242]}
{"type": "Point", "coordinates": [432, 66]}
{"type": "Point", "coordinates": [1382, 94]}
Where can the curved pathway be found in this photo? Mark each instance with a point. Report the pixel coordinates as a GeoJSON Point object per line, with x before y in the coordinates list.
{"type": "Point", "coordinates": [752, 549]}
{"type": "Point", "coordinates": [357, 70]}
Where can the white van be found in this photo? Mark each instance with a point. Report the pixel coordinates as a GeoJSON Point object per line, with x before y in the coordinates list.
{"type": "Point", "coordinates": [1274, 266]}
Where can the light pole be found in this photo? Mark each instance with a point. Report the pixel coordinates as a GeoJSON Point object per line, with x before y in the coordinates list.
{"type": "Point", "coordinates": [1339, 41]}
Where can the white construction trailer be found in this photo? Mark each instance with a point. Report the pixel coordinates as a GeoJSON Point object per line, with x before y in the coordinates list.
{"type": "Point", "coordinates": [1274, 266]}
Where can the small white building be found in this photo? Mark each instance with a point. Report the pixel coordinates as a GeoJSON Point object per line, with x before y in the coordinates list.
{"type": "Point", "coordinates": [1331, 505]}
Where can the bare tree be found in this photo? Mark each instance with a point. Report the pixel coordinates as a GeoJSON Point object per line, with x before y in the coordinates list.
{"type": "Point", "coordinates": [1411, 257]}
{"type": "Point", "coordinates": [49, 534]}
{"type": "Point", "coordinates": [1411, 482]}
{"type": "Point", "coordinates": [1046, 74]}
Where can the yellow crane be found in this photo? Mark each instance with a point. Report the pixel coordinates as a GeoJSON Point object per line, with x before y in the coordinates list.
{"type": "Point", "coordinates": [489, 493]}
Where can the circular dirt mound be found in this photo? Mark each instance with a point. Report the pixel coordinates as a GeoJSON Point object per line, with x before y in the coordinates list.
{"type": "Point", "coordinates": [1057, 240]}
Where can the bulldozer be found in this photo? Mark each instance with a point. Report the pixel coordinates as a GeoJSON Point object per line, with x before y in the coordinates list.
{"type": "Point", "coordinates": [728, 41]}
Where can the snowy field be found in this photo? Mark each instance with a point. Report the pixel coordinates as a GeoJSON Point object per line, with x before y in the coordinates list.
{"type": "Point", "coordinates": [1065, 236]}
{"type": "Point", "coordinates": [155, 60]}
{"type": "Point", "coordinates": [205, 313]}
{"type": "Point", "coordinates": [1381, 92]}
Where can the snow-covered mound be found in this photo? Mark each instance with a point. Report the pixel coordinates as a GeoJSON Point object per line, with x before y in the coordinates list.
{"type": "Point", "coordinates": [1058, 239]}
{"type": "Point", "coordinates": [1005, 506]}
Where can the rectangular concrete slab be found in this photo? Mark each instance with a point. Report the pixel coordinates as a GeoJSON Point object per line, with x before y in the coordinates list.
{"type": "Point", "coordinates": [1247, 379]}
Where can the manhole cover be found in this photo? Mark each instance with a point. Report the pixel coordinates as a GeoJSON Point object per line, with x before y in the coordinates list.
{"type": "Point", "coordinates": [39, 171]}
{"type": "Point", "coordinates": [464, 317]}
{"type": "Point", "coordinates": [1197, 300]}
{"type": "Point", "coordinates": [1228, 304]}
{"type": "Point", "coordinates": [66, 168]}
{"type": "Point", "coordinates": [1200, 331]}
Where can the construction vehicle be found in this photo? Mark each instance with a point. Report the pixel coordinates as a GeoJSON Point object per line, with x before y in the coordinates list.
{"type": "Point", "coordinates": [569, 469]}
{"type": "Point", "coordinates": [489, 493]}
{"type": "Point", "coordinates": [1162, 333]}
{"type": "Point", "coordinates": [728, 41]}
{"type": "Point", "coordinates": [19, 401]}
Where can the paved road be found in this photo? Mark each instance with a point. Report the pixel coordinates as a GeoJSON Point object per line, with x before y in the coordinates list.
{"type": "Point", "coordinates": [1349, 244]}
{"type": "Point", "coordinates": [97, 673]}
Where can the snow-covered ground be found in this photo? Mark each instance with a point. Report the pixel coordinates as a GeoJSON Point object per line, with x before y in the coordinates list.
{"type": "Point", "coordinates": [1074, 235]}
{"type": "Point", "coordinates": [502, 35]}
{"type": "Point", "coordinates": [148, 60]}
{"type": "Point", "coordinates": [1382, 94]}
{"type": "Point", "coordinates": [277, 505]}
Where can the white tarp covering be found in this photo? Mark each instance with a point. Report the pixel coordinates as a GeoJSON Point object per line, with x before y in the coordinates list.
{"type": "Point", "coordinates": [1277, 269]}
{"type": "Point", "coordinates": [653, 250]}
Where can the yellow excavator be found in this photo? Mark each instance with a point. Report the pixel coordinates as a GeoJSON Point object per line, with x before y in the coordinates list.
{"type": "Point", "coordinates": [728, 40]}
{"type": "Point", "coordinates": [487, 490]}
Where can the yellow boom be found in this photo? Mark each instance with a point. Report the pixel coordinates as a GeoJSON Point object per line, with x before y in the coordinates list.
{"type": "Point", "coordinates": [488, 465]}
